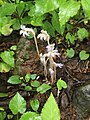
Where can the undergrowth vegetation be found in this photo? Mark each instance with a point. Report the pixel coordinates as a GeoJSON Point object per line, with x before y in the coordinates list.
{"type": "Point", "coordinates": [55, 19]}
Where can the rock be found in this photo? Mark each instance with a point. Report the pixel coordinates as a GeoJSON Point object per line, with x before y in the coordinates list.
{"type": "Point", "coordinates": [81, 101]}
{"type": "Point", "coordinates": [27, 59]}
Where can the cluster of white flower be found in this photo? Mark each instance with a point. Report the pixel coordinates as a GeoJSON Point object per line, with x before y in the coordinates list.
{"type": "Point", "coordinates": [49, 56]}
{"type": "Point", "coordinates": [26, 31]}
{"type": "Point", "coordinates": [51, 51]}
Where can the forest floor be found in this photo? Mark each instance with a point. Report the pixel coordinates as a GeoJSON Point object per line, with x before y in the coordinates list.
{"type": "Point", "coordinates": [75, 72]}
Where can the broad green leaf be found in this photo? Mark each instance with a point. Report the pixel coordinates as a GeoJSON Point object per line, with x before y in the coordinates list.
{"type": "Point", "coordinates": [37, 21]}
{"type": "Point", "coordinates": [30, 116]}
{"type": "Point", "coordinates": [16, 25]}
{"type": "Point", "coordinates": [61, 84]}
{"type": "Point", "coordinates": [49, 28]}
{"type": "Point", "coordinates": [35, 83]}
{"type": "Point", "coordinates": [3, 95]}
{"type": "Point", "coordinates": [82, 33]}
{"type": "Point", "coordinates": [2, 115]}
{"type": "Point", "coordinates": [33, 76]}
{"type": "Point", "coordinates": [86, 7]}
{"type": "Point", "coordinates": [17, 104]}
{"type": "Point", "coordinates": [70, 52]}
{"type": "Point", "coordinates": [28, 88]}
{"type": "Point", "coordinates": [27, 77]}
{"type": "Point", "coordinates": [83, 55]}
{"type": "Point", "coordinates": [7, 9]}
{"type": "Point", "coordinates": [4, 67]}
{"type": "Point", "coordinates": [7, 31]}
{"type": "Point", "coordinates": [43, 88]}
{"type": "Point", "coordinates": [34, 104]}
{"type": "Point", "coordinates": [70, 38]}
{"type": "Point", "coordinates": [3, 21]}
{"type": "Point", "coordinates": [7, 58]}
{"type": "Point", "coordinates": [50, 110]}
{"type": "Point", "coordinates": [68, 9]}
{"type": "Point", "coordinates": [26, 20]}
{"type": "Point", "coordinates": [15, 79]}
{"type": "Point", "coordinates": [28, 5]}
{"type": "Point", "coordinates": [20, 8]}
{"type": "Point", "coordinates": [44, 6]}
{"type": "Point", "coordinates": [55, 21]}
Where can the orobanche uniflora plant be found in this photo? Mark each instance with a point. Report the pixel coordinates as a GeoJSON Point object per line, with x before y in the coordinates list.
{"type": "Point", "coordinates": [26, 32]}
{"type": "Point", "coordinates": [47, 57]}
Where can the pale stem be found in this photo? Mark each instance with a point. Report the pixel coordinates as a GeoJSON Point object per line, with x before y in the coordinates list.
{"type": "Point", "coordinates": [45, 71]}
{"type": "Point", "coordinates": [55, 72]}
{"type": "Point", "coordinates": [58, 92]}
{"type": "Point", "coordinates": [52, 78]}
{"type": "Point", "coordinates": [52, 67]}
{"type": "Point", "coordinates": [36, 44]}
{"type": "Point", "coordinates": [48, 41]}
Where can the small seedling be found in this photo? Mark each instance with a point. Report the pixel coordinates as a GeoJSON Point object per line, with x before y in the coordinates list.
{"type": "Point", "coordinates": [83, 55]}
{"type": "Point", "coordinates": [70, 52]}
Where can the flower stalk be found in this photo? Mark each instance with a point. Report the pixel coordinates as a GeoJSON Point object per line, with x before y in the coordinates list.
{"type": "Point", "coordinates": [47, 57]}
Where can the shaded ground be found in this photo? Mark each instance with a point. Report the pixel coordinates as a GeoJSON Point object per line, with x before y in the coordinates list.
{"type": "Point", "coordinates": [75, 73]}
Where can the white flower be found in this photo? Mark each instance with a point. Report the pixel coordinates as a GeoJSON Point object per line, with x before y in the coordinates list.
{"type": "Point", "coordinates": [26, 31]}
{"type": "Point", "coordinates": [51, 72]}
{"type": "Point", "coordinates": [42, 59]}
{"type": "Point", "coordinates": [51, 51]}
{"type": "Point", "coordinates": [60, 65]}
{"type": "Point", "coordinates": [50, 47]}
{"type": "Point", "coordinates": [43, 35]}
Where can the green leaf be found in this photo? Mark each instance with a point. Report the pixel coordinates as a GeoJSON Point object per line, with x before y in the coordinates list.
{"type": "Point", "coordinates": [37, 21]}
{"type": "Point", "coordinates": [27, 77]}
{"type": "Point", "coordinates": [2, 115]}
{"type": "Point", "coordinates": [70, 52]}
{"type": "Point", "coordinates": [35, 83]}
{"type": "Point", "coordinates": [68, 9]}
{"type": "Point", "coordinates": [16, 25]}
{"type": "Point", "coordinates": [26, 20]}
{"type": "Point", "coordinates": [55, 22]}
{"type": "Point", "coordinates": [34, 104]}
{"type": "Point", "coordinates": [83, 55]}
{"type": "Point", "coordinates": [1, 109]}
{"type": "Point", "coordinates": [7, 9]}
{"type": "Point", "coordinates": [17, 104]}
{"type": "Point", "coordinates": [61, 84]}
{"type": "Point", "coordinates": [8, 58]}
{"type": "Point", "coordinates": [86, 7]}
{"type": "Point", "coordinates": [70, 38]}
{"type": "Point", "coordinates": [44, 6]}
{"type": "Point", "coordinates": [50, 110]}
{"type": "Point", "coordinates": [9, 116]}
{"type": "Point", "coordinates": [7, 31]}
{"type": "Point", "coordinates": [3, 21]}
{"type": "Point", "coordinates": [33, 76]}
{"type": "Point", "coordinates": [49, 28]}
{"type": "Point", "coordinates": [30, 116]}
{"type": "Point", "coordinates": [82, 33]}
{"type": "Point", "coordinates": [20, 8]}
{"type": "Point", "coordinates": [43, 88]}
{"type": "Point", "coordinates": [28, 88]}
{"type": "Point", "coordinates": [3, 95]}
{"type": "Point", "coordinates": [15, 79]}
{"type": "Point", "coordinates": [14, 47]}
{"type": "Point", "coordinates": [4, 67]}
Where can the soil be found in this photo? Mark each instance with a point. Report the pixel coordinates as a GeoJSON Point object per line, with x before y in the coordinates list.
{"type": "Point", "coordinates": [75, 72]}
